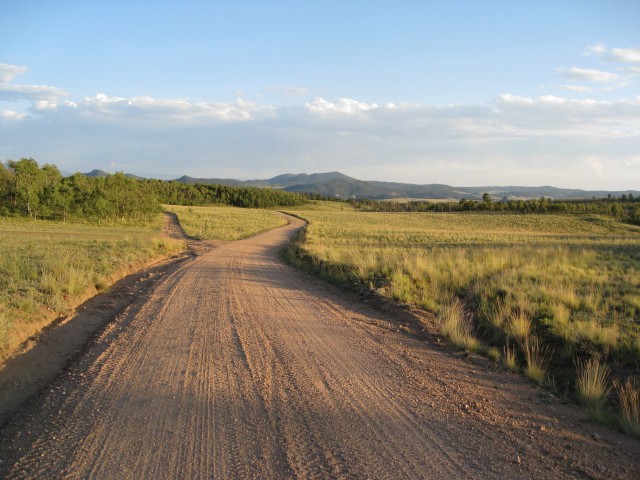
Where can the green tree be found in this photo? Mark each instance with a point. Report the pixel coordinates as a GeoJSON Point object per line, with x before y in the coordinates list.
{"type": "Point", "coordinates": [29, 183]}
{"type": "Point", "coordinates": [487, 201]}
{"type": "Point", "coordinates": [7, 183]}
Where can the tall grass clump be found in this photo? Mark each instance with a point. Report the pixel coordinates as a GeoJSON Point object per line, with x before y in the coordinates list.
{"type": "Point", "coordinates": [456, 326]}
{"type": "Point", "coordinates": [560, 324]}
{"type": "Point", "coordinates": [537, 357]}
{"type": "Point", "coordinates": [629, 399]}
{"type": "Point", "coordinates": [592, 387]}
{"type": "Point", "coordinates": [497, 314]}
{"type": "Point", "coordinates": [510, 360]}
{"type": "Point", "coordinates": [520, 326]}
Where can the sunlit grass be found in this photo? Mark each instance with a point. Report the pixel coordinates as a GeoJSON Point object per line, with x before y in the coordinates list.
{"type": "Point", "coordinates": [592, 386]}
{"type": "Point", "coordinates": [510, 360]}
{"type": "Point", "coordinates": [456, 326]}
{"type": "Point", "coordinates": [629, 398]}
{"type": "Point", "coordinates": [553, 285]}
{"type": "Point", "coordinates": [45, 267]}
{"type": "Point", "coordinates": [537, 358]}
{"type": "Point", "coordinates": [224, 222]}
{"type": "Point", "coordinates": [578, 274]}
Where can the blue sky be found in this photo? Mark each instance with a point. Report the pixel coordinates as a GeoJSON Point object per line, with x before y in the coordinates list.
{"type": "Point", "coordinates": [461, 92]}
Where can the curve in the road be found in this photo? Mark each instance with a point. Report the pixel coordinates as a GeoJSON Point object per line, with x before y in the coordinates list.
{"type": "Point", "coordinates": [238, 366]}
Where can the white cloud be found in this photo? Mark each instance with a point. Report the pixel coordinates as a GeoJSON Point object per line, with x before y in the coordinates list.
{"type": "Point", "coordinates": [622, 55]}
{"type": "Point", "coordinates": [45, 105]}
{"type": "Point", "coordinates": [9, 72]}
{"type": "Point", "coordinates": [597, 49]}
{"type": "Point", "coordinates": [549, 115]}
{"type": "Point", "coordinates": [342, 105]}
{"type": "Point", "coordinates": [12, 114]}
{"type": "Point", "coordinates": [577, 88]}
{"type": "Point", "coordinates": [10, 92]}
{"type": "Point", "coordinates": [588, 75]}
{"type": "Point", "coordinates": [624, 60]}
{"type": "Point", "coordinates": [626, 55]}
{"type": "Point", "coordinates": [514, 139]}
{"type": "Point", "coordinates": [163, 110]}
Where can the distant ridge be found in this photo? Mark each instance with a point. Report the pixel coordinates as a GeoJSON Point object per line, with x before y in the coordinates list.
{"type": "Point", "coordinates": [339, 185]}
{"type": "Point", "coordinates": [223, 181]}
{"type": "Point", "coordinates": [102, 173]}
{"type": "Point", "coordinates": [96, 173]}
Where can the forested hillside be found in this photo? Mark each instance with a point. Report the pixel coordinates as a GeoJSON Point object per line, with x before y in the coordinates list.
{"type": "Point", "coordinates": [42, 192]}
{"type": "Point", "coordinates": [178, 193]}
{"type": "Point", "coordinates": [29, 189]}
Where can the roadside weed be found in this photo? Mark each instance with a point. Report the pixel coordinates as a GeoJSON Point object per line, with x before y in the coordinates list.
{"type": "Point", "coordinates": [592, 387]}
{"type": "Point", "coordinates": [629, 398]}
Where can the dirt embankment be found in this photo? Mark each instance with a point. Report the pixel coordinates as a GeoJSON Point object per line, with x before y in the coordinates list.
{"type": "Point", "coordinates": [233, 365]}
{"type": "Point", "coordinates": [39, 360]}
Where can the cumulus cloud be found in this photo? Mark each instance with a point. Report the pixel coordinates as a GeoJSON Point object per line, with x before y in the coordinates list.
{"type": "Point", "coordinates": [342, 105]}
{"type": "Point", "coordinates": [622, 55]}
{"type": "Point", "coordinates": [9, 72]}
{"type": "Point", "coordinates": [627, 55]}
{"type": "Point", "coordinates": [102, 107]}
{"type": "Point", "coordinates": [625, 61]}
{"type": "Point", "coordinates": [541, 140]}
{"type": "Point", "coordinates": [555, 116]}
{"type": "Point", "coordinates": [577, 88]}
{"type": "Point", "coordinates": [597, 49]}
{"type": "Point", "coordinates": [589, 75]}
{"type": "Point", "coordinates": [11, 92]}
{"type": "Point", "coordinates": [12, 114]}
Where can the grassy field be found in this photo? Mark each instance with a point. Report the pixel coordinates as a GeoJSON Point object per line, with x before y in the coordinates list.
{"type": "Point", "coordinates": [46, 267]}
{"type": "Point", "coordinates": [224, 222]}
{"type": "Point", "coordinates": [538, 292]}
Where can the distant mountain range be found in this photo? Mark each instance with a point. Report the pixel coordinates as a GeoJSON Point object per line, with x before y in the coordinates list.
{"type": "Point", "coordinates": [336, 184]}
{"type": "Point", "coordinates": [102, 173]}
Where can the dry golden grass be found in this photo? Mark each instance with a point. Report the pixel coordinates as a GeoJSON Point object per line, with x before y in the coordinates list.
{"type": "Point", "coordinates": [510, 360]}
{"type": "Point", "coordinates": [578, 274]}
{"type": "Point", "coordinates": [46, 267]}
{"type": "Point", "coordinates": [593, 388]}
{"type": "Point", "coordinates": [456, 326]}
{"type": "Point", "coordinates": [224, 222]}
{"type": "Point", "coordinates": [537, 358]}
{"type": "Point", "coordinates": [519, 326]}
{"type": "Point", "coordinates": [556, 284]}
{"type": "Point", "coordinates": [629, 398]}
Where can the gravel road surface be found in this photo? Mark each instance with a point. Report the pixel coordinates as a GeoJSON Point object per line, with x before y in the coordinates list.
{"type": "Point", "coordinates": [234, 365]}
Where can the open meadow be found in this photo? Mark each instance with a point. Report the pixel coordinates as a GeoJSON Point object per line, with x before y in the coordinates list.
{"type": "Point", "coordinates": [224, 222]}
{"type": "Point", "coordinates": [47, 267]}
{"type": "Point", "coordinates": [541, 293]}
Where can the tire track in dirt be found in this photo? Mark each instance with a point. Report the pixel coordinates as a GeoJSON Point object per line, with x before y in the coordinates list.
{"type": "Point", "coordinates": [238, 366]}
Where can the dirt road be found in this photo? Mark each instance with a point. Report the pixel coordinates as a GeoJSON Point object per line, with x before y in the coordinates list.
{"type": "Point", "coordinates": [237, 366]}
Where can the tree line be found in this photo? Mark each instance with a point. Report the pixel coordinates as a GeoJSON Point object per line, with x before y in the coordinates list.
{"type": "Point", "coordinates": [178, 193]}
{"type": "Point", "coordinates": [28, 189]}
{"type": "Point", "coordinates": [42, 192]}
{"type": "Point", "coordinates": [625, 208]}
